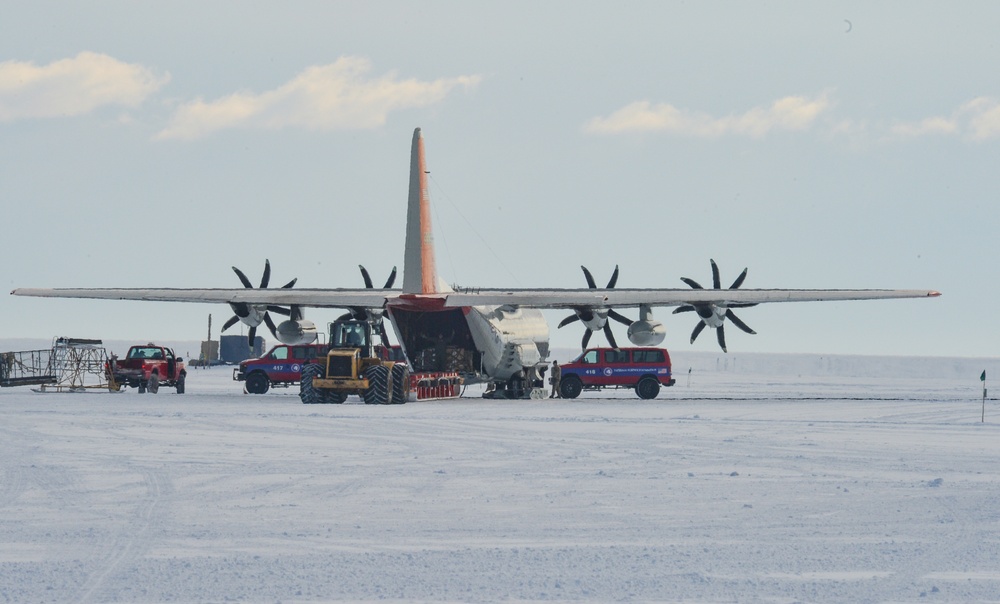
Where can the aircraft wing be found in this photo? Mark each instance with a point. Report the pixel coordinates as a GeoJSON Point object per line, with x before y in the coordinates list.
{"type": "Point", "coordinates": [530, 298]}
{"type": "Point", "coordinates": [313, 298]}
{"type": "Point", "coordinates": [625, 298]}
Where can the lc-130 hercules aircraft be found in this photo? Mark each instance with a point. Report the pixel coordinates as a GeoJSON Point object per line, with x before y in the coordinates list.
{"type": "Point", "coordinates": [490, 334]}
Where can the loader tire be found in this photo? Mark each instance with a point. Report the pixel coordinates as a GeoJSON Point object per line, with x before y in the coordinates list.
{"type": "Point", "coordinates": [308, 394]}
{"type": "Point", "coordinates": [333, 397]}
{"type": "Point", "coordinates": [400, 383]}
{"type": "Point", "coordinates": [378, 385]}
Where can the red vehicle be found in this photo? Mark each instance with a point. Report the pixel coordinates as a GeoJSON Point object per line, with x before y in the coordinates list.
{"type": "Point", "coordinates": [645, 369]}
{"type": "Point", "coordinates": [282, 365]}
{"type": "Point", "coordinates": [142, 363]}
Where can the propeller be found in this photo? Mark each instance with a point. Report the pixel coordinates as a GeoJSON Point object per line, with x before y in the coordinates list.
{"type": "Point", "coordinates": [712, 314]}
{"type": "Point", "coordinates": [243, 310]}
{"type": "Point", "coordinates": [596, 319]}
{"type": "Point", "coordinates": [360, 313]}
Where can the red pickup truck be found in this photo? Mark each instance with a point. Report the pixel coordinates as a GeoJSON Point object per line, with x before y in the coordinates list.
{"type": "Point", "coordinates": [645, 369]}
{"type": "Point", "coordinates": [142, 363]}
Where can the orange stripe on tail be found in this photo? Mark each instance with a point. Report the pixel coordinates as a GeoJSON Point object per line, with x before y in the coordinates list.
{"type": "Point", "coordinates": [419, 267]}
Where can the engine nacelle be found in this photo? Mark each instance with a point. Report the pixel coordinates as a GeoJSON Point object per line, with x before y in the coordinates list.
{"type": "Point", "coordinates": [594, 318]}
{"type": "Point", "coordinates": [251, 315]}
{"type": "Point", "coordinates": [296, 332]}
{"type": "Point", "coordinates": [646, 333]}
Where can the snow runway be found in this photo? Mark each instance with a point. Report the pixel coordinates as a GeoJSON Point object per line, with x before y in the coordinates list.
{"type": "Point", "coordinates": [884, 490]}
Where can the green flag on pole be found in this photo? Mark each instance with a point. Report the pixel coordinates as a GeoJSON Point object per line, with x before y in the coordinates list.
{"type": "Point", "coordinates": [982, 378]}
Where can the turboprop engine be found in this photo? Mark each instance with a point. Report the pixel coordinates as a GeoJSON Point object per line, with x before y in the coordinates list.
{"type": "Point", "coordinates": [715, 315]}
{"type": "Point", "coordinates": [646, 331]}
{"type": "Point", "coordinates": [251, 315]}
{"type": "Point", "coordinates": [296, 330]}
{"type": "Point", "coordinates": [596, 319]}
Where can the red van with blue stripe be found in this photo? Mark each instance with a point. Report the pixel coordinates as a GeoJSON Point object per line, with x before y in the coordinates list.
{"type": "Point", "coordinates": [644, 369]}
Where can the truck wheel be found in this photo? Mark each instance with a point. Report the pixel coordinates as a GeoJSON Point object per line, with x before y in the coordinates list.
{"type": "Point", "coordinates": [570, 387]}
{"type": "Point", "coordinates": [647, 388]}
{"type": "Point", "coordinates": [257, 383]}
{"type": "Point", "coordinates": [180, 383]}
{"type": "Point", "coordinates": [400, 383]}
{"type": "Point", "coordinates": [308, 394]}
{"type": "Point", "coordinates": [142, 386]}
{"type": "Point", "coordinates": [378, 385]}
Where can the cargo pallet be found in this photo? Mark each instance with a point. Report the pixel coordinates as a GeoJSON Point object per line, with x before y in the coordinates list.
{"type": "Point", "coordinates": [436, 385]}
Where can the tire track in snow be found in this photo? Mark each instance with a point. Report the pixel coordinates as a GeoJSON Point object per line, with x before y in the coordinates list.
{"type": "Point", "coordinates": [129, 541]}
{"type": "Point", "coordinates": [11, 486]}
{"type": "Point", "coordinates": [13, 480]}
{"type": "Point", "coordinates": [940, 556]}
{"type": "Point", "coordinates": [783, 398]}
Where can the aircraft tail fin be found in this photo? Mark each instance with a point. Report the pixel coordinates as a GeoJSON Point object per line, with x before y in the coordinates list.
{"type": "Point", "coordinates": [419, 268]}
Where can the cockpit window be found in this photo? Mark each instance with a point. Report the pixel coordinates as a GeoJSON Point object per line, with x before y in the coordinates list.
{"type": "Point", "coordinates": [350, 334]}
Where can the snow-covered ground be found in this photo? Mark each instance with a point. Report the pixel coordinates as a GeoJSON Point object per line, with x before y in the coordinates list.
{"type": "Point", "coordinates": [765, 484]}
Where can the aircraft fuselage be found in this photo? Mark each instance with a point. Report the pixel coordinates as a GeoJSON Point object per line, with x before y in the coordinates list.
{"type": "Point", "coordinates": [481, 342]}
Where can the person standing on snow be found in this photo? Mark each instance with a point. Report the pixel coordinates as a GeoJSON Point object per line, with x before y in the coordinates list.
{"type": "Point", "coordinates": [556, 375]}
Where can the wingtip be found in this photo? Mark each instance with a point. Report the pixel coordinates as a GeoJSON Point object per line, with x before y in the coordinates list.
{"type": "Point", "coordinates": [933, 294]}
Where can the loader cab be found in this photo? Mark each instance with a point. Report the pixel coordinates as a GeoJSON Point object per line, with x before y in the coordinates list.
{"type": "Point", "coordinates": [352, 334]}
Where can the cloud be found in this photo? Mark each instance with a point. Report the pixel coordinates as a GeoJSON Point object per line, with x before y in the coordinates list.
{"type": "Point", "coordinates": [788, 113]}
{"type": "Point", "coordinates": [73, 86]}
{"type": "Point", "coordinates": [978, 120]}
{"type": "Point", "coordinates": [337, 96]}
{"type": "Point", "coordinates": [931, 125]}
{"type": "Point", "coordinates": [975, 120]}
{"type": "Point", "coordinates": [983, 115]}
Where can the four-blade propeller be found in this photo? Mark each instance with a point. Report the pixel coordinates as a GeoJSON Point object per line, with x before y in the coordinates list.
{"type": "Point", "coordinates": [243, 310]}
{"type": "Point", "coordinates": [596, 318]}
{"type": "Point", "coordinates": [714, 315]}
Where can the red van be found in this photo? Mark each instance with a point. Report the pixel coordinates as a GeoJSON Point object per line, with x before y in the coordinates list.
{"type": "Point", "coordinates": [644, 369]}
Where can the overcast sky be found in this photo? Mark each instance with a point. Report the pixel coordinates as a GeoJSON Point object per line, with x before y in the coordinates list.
{"type": "Point", "coordinates": [822, 145]}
